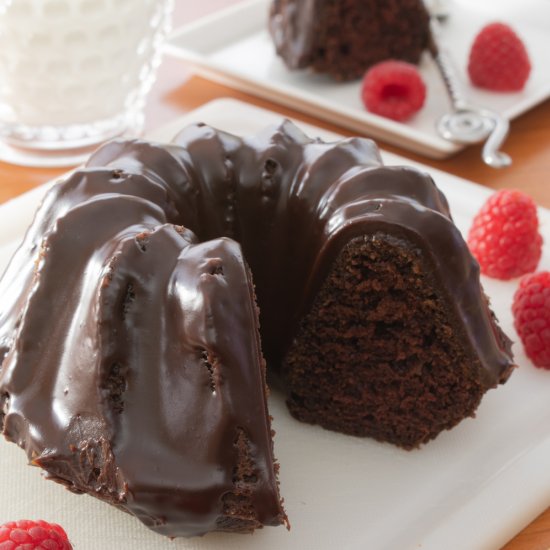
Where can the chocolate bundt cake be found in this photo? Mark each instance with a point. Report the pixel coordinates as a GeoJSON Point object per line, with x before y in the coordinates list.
{"type": "Point", "coordinates": [345, 37]}
{"type": "Point", "coordinates": [130, 357]}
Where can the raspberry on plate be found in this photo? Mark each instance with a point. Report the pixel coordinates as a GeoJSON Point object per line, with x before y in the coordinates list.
{"type": "Point", "coordinates": [26, 534]}
{"type": "Point", "coordinates": [531, 309]}
{"type": "Point", "coordinates": [498, 59]}
{"type": "Point", "coordinates": [393, 89]}
{"type": "Point", "coordinates": [504, 237]}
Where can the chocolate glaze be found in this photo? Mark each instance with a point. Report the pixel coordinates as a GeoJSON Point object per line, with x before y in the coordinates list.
{"type": "Point", "coordinates": [292, 31]}
{"type": "Point", "coordinates": [113, 385]}
{"type": "Point", "coordinates": [115, 320]}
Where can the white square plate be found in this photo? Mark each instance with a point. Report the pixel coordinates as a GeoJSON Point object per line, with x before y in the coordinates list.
{"type": "Point", "coordinates": [234, 46]}
{"type": "Point", "coordinates": [472, 488]}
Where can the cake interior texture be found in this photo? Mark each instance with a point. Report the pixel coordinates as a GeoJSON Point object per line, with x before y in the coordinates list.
{"type": "Point", "coordinates": [381, 353]}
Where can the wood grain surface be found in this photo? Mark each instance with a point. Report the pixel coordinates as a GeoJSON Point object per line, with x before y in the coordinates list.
{"type": "Point", "coordinates": [177, 92]}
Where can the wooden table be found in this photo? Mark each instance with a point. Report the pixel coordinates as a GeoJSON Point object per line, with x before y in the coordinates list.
{"type": "Point", "coordinates": [178, 92]}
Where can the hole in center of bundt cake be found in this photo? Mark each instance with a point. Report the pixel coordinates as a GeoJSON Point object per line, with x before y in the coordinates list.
{"type": "Point", "coordinates": [394, 367]}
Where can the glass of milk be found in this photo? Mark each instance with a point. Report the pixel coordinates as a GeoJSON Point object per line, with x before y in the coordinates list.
{"type": "Point", "coordinates": [74, 73]}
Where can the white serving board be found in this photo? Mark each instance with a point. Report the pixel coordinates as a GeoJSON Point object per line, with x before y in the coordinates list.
{"type": "Point", "coordinates": [472, 488]}
{"type": "Point", "coordinates": [233, 46]}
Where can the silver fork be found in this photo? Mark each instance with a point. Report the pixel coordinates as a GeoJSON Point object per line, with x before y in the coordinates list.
{"type": "Point", "coordinates": [467, 123]}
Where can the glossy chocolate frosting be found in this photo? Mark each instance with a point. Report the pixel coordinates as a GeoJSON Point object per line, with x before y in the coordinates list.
{"type": "Point", "coordinates": [110, 376]}
{"type": "Point", "coordinates": [293, 32]}
{"type": "Point", "coordinates": [130, 357]}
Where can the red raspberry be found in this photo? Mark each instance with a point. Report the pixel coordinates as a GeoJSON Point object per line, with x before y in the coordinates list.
{"type": "Point", "coordinates": [30, 535]}
{"type": "Point", "coordinates": [498, 59]}
{"type": "Point", "coordinates": [504, 236]}
{"type": "Point", "coordinates": [531, 309]}
{"type": "Point", "coordinates": [393, 89]}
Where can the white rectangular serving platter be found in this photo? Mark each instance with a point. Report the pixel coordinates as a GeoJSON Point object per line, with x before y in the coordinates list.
{"type": "Point", "coordinates": [472, 488]}
{"type": "Point", "coordinates": [233, 46]}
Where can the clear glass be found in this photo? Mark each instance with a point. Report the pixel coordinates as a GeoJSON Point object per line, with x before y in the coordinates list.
{"type": "Point", "coordinates": [75, 73]}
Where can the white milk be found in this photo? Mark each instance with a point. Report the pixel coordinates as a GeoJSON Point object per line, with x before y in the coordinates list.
{"type": "Point", "coordinates": [77, 62]}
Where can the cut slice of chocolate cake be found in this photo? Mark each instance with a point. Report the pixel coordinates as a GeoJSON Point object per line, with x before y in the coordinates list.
{"type": "Point", "coordinates": [398, 343]}
{"type": "Point", "coordinates": [345, 37]}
